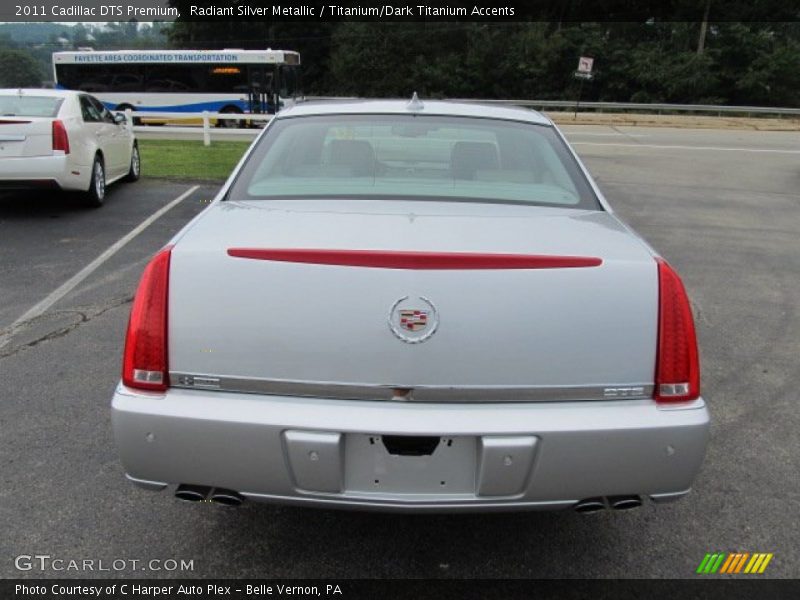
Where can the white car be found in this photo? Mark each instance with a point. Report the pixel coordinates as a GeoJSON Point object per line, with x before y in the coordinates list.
{"type": "Point", "coordinates": [63, 140]}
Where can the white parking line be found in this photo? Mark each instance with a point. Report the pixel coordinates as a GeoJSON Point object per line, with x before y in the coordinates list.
{"type": "Point", "coordinates": [69, 285]}
{"type": "Point", "coordinates": [676, 147]}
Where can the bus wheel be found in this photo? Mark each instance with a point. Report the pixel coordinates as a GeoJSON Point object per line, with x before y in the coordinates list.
{"type": "Point", "coordinates": [231, 123]}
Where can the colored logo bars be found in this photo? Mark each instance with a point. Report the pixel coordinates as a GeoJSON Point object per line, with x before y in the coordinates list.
{"type": "Point", "coordinates": [734, 562]}
{"type": "Point", "coordinates": [413, 320]}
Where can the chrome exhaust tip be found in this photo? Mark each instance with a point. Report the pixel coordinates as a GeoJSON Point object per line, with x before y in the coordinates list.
{"type": "Point", "coordinates": [225, 497]}
{"type": "Point", "coordinates": [191, 493]}
{"type": "Point", "coordinates": [590, 505]}
{"type": "Point", "coordinates": [624, 502]}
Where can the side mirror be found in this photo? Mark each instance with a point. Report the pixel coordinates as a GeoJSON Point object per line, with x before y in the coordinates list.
{"type": "Point", "coordinates": [119, 118]}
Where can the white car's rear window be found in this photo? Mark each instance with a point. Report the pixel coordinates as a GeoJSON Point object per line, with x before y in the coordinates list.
{"type": "Point", "coordinates": [29, 106]}
{"type": "Point", "coordinates": [413, 157]}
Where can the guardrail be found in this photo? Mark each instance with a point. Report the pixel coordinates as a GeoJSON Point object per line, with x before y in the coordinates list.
{"type": "Point", "coordinates": [714, 109]}
{"type": "Point", "coordinates": [717, 109]}
{"type": "Point", "coordinates": [208, 120]}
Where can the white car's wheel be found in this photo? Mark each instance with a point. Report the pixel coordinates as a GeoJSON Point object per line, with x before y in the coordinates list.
{"type": "Point", "coordinates": [136, 165]}
{"type": "Point", "coordinates": [96, 193]}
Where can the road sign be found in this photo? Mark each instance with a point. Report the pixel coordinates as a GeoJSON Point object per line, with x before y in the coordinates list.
{"type": "Point", "coordinates": [585, 64]}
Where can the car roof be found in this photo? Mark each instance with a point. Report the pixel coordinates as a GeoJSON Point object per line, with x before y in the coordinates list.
{"type": "Point", "coordinates": [37, 92]}
{"type": "Point", "coordinates": [429, 107]}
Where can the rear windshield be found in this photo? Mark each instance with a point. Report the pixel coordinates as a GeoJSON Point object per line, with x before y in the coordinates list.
{"type": "Point", "coordinates": [29, 106]}
{"type": "Point", "coordinates": [413, 157]}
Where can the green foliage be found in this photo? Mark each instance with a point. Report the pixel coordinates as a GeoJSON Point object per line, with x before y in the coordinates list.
{"type": "Point", "coordinates": [750, 63]}
{"type": "Point", "coordinates": [30, 33]}
{"type": "Point", "coordinates": [42, 39]}
{"type": "Point", "coordinates": [744, 63]}
{"type": "Point", "coordinates": [19, 69]}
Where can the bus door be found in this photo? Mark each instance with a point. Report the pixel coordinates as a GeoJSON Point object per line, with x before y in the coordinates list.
{"type": "Point", "coordinates": [260, 89]}
{"type": "Point", "coordinates": [288, 85]}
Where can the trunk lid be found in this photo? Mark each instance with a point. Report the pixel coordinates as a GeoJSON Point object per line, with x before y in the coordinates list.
{"type": "Point", "coordinates": [25, 137]}
{"type": "Point", "coordinates": [500, 334]}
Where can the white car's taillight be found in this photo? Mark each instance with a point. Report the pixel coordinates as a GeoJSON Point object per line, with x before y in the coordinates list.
{"type": "Point", "coordinates": [678, 364]}
{"type": "Point", "coordinates": [60, 137]}
{"type": "Point", "coordinates": [145, 361]}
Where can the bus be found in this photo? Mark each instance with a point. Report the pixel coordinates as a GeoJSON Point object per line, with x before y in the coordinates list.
{"type": "Point", "coordinates": [227, 81]}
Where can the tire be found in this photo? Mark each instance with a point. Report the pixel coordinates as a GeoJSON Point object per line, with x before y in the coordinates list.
{"type": "Point", "coordinates": [135, 170]}
{"type": "Point", "coordinates": [96, 194]}
{"type": "Point", "coordinates": [230, 123]}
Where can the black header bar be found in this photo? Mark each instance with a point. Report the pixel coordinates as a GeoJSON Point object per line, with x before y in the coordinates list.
{"type": "Point", "coordinates": [486, 11]}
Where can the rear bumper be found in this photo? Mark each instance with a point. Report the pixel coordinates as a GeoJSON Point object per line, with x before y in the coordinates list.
{"type": "Point", "coordinates": [43, 172]}
{"type": "Point", "coordinates": [333, 452]}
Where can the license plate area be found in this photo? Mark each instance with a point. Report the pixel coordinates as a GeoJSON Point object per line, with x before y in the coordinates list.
{"type": "Point", "coordinates": [410, 445]}
{"type": "Point", "coordinates": [410, 465]}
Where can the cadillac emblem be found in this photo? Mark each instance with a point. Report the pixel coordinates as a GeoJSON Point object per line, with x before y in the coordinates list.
{"type": "Point", "coordinates": [413, 319]}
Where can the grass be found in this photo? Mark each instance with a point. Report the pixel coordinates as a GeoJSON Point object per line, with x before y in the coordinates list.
{"type": "Point", "coordinates": [189, 159]}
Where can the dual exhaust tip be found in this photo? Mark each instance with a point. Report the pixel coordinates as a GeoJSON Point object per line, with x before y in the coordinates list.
{"type": "Point", "coordinates": [202, 493]}
{"type": "Point", "coordinates": [590, 505]}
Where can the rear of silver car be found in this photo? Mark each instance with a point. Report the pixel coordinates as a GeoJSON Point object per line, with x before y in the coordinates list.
{"type": "Point", "coordinates": [528, 394]}
{"type": "Point", "coordinates": [466, 356]}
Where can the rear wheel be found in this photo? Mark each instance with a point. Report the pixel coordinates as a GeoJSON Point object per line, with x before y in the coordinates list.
{"type": "Point", "coordinates": [136, 165]}
{"type": "Point", "coordinates": [96, 193]}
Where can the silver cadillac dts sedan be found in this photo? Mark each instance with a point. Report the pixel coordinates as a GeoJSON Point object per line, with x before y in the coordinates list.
{"type": "Point", "coordinates": [419, 306]}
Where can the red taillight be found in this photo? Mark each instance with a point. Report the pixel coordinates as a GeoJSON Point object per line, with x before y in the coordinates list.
{"type": "Point", "coordinates": [677, 365]}
{"type": "Point", "coordinates": [60, 137]}
{"type": "Point", "coordinates": [144, 365]}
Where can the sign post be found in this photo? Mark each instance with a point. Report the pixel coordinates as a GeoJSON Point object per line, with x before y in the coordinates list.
{"type": "Point", "coordinates": [584, 72]}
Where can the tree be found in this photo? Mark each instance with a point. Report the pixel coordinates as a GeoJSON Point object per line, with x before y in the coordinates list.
{"type": "Point", "coordinates": [19, 69]}
{"type": "Point", "coordinates": [674, 51]}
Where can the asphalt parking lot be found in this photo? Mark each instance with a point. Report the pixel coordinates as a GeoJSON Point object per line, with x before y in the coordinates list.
{"type": "Point", "coordinates": [722, 206]}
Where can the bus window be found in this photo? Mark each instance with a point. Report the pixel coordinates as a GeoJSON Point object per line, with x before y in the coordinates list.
{"type": "Point", "coordinates": [224, 78]}
{"type": "Point", "coordinates": [92, 79]}
{"type": "Point", "coordinates": [81, 77]}
{"type": "Point", "coordinates": [163, 78]}
{"type": "Point", "coordinates": [130, 79]}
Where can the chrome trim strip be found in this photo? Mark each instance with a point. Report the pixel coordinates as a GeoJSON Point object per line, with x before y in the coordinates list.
{"type": "Point", "coordinates": [670, 497]}
{"type": "Point", "coordinates": [418, 393]}
{"type": "Point", "coordinates": [155, 486]}
{"type": "Point", "coordinates": [354, 502]}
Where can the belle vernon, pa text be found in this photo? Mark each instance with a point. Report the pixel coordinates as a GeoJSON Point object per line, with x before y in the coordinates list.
{"type": "Point", "coordinates": [386, 10]}
{"type": "Point", "coordinates": [135, 589]}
